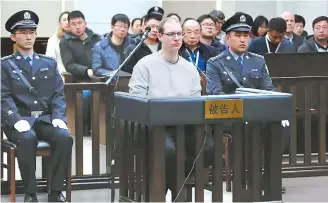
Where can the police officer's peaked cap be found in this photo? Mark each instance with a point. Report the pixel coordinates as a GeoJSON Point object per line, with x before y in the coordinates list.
{"type": "Point", "coordinates": [239, 22]}
{"type": "Point", "coordinates": [22, 19]}
{"type": "Point", "coordinates": [155, 10]}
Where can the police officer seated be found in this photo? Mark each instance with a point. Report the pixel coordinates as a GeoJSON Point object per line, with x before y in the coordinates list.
{"type": "Point", "coordinates": [33, 107]}
{"type": "Point", "coordinates": [236, 67]}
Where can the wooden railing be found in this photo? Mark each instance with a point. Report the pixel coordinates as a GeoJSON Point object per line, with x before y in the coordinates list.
{"type": "Point", "coordinates": [308, 143]}
{"type": "Point", "coordinates": [141, 138]}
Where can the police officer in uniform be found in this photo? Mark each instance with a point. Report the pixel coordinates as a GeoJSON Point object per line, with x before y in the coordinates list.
{"type": "Point", "coordinates": [236, 67]}
{"type": "Point", "coordinates": [248, 69]}
{"type": "Point", "coordinates": [33, 107]}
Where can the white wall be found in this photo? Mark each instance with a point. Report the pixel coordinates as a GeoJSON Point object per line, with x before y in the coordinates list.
{"type": "Point", "coordinates": [187, 9]}
{"type": "Point", "coordinates": [98, 13]}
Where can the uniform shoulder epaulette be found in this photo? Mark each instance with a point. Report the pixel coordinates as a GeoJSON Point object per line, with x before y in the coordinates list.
{"type": "Point", "coordinates": [215, 58]}
{"type": "Point", "coordinates": [47, 57]}
{"type": "Point", "coordinates": [7, 57]}
{"type": "Point", "coordinates": [256, 55]}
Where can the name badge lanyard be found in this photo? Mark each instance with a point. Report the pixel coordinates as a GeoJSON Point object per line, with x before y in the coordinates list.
{"type": "Point", "coordinates": [268, 47]}
{"type": "Point", "coordinates": [197, 57]}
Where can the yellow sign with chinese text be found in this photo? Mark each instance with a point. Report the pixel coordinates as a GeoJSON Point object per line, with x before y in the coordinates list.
{"type": "Point", "coordinates": [232, 108]}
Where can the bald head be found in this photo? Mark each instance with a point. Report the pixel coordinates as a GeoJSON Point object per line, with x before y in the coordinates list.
{"type": "Point", "coordinates": [192, 30]}
{"type": "Point", "coordinates": [190, 23]}
{"type": "Point", "coordinates": [289, 17]}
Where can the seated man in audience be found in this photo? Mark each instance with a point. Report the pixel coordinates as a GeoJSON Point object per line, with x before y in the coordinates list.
{"type": "Point", "coordinates": [194, 50]}
{"type": "Point", "coordinates": [109, 53]}
{"type": "Point", "coordinates": [208, 32]}
{"type": "Point", "coordinates": [274, 41]}
{"type": "Point", "coordinates": [149, 46]}
{"type": "Point", "coordinates": [318, 42]}
{"type": "Point", "coordinates": [290, 35]}
{"type": "Point", "coordinates": [166, 74]}
{"type": "Point", "coordinates": [76, 47]}
{"type": "Point", "coordinates": [76, 54]}
{"type": "Point", "coordinates": [31, 113]}
{"type": "Point", "coordinates": [219, 16]}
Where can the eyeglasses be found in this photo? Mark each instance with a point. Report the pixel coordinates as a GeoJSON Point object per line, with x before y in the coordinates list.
{"type": "Point", "coordinates": [320, 27]}
{"type": "Point", "coordinates": [174, 34]}
{"type": "Point", "coordinates": [26, 33]}
{"type": "Point", "coordinates": [206, 25]}
{"type": "Point", "coordinates": [122, 26]}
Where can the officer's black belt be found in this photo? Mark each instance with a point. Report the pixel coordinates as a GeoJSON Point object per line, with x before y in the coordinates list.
{"type": "Point", "coordinates": [35, 114]}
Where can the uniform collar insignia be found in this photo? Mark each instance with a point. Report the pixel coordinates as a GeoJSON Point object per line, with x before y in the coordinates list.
{"type": "Point", "coordinates": [18, 57]}
{"type": "Point", "coordinates": [37, 57]}
{"type": "Point", "coordinates": [247, 57]}
{"type": "Point", "coordinates": [228, 57]}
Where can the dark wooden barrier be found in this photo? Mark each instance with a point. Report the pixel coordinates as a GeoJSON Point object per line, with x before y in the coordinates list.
{"type": "Point", "coordinates": [308, 144]}
{"type": "Point", "coordinates": [8, 46]}
{"type": "Point", "coordinates": [305, 75]}
{"type": "Point", "coordinates": [101, 116]}
{"type": "Point", "coordinates": [140, 136]}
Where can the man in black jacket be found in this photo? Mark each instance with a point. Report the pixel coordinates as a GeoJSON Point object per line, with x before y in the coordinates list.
{"type": "Point", "coordinates": [76, 47]}
{"type": "Point", "coordinates": [192, 48]}
{"type": "Point", "coordinates": [318, 42]}
{"type": "Point", "coordinates": [76, 52]}
{"type": "Point", "coordinates": [149, 46]}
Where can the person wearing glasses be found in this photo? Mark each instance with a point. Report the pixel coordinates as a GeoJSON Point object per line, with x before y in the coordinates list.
{"type": "Point", "coordinates": [109, 53]}
{"type": "Point", "coordinates": [318, 42]}
{"type": "Point", "coordinates": [166, 74]}
{"type": "Point", "coordinates": [209, 32]}
{"type": "Point", "coordinates": [33, 107]}
{"type": "Point", "coordinates": [194, 50]}
{"type": "Point", "coordinates": [149, 46]}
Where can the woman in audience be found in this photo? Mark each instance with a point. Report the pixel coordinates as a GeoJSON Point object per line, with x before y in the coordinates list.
{"type": "Point", "coordinates": [136, 26]}
{"type": "Point", "coordinates": [259, 27]}
{"type": "Point", "coordinates": [53, 42]}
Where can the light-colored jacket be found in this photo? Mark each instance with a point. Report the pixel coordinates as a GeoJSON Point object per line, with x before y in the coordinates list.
{"type": "Point", "coordinates": [54, 51]}
{"type": "Point", "coordinates": [154, 77]}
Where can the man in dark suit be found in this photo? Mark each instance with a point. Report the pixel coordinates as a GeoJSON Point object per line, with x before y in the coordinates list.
{"type": "Point", "coordinates": [274, 41]}
{"type": "Point", "coordinates": [33, 107]}
{"type": "Point", "coordinates": [290, 35]}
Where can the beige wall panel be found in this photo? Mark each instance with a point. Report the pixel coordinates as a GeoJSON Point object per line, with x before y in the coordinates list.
{"type": "Point", "coordinates": [187, 9]}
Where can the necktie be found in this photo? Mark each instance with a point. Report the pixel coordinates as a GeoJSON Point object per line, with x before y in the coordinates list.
{"type": "Point", "coordinates": [29, 60]}
{"type": "Point", "coordinates": [240, 63]}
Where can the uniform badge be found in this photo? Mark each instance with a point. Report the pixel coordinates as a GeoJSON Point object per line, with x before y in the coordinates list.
{"type": "Point", "coordinates": [254, 70]}
{"type": "Point", "coordinates": [27, 16]}
{"type": "Point", "coordinates": [228, 57]}
{"type": "Point", "coordinates": [247, 57]}
{"type": "Point", "coordinates": [10, 112]}
{"type": "Point", "coordinates": [156, 8]}
{"type": "Point", "coordinates": [18, 57]}
{"type": "Point", "coordinates": [44, 69]}
{"type": "Point", "coordinates": [242, 19]}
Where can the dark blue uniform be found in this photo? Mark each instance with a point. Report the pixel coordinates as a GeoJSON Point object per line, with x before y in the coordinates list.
{"type": "Point", "coordinates": [252, 74]}
{"type": "Point", "coordinates": [17, 103]}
